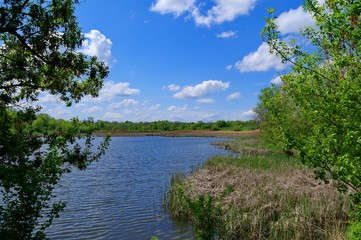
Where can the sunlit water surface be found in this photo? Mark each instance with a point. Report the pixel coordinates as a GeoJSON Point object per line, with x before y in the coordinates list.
{"type": "Point", "coordinates": [120, 197]}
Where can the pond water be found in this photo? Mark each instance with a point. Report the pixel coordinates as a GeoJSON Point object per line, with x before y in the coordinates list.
{"type": "Point", "coordinates": [120, 197]}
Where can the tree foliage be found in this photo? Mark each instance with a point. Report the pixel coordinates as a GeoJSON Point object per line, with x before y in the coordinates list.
{"type": "Point", "coordinates": [46, 124]}
{"type": "Point", "coordinates": [165, 125]}
{"type": "Point", "coordinates": [40, 41]}
{"type": "Point", "coordinates": [280, 120]}
{"type": "Point", "coordinates": [323, 93]}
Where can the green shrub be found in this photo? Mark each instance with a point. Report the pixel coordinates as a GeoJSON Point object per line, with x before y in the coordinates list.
{"type": "Point", "coordinates": [354, 231]}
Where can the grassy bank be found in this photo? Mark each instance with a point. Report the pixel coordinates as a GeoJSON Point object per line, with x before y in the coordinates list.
{"type": "Point", "coordinates": [261, 194]}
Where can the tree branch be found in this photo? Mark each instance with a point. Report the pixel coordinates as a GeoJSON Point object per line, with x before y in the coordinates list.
{"type": "Point", "coordinates": [17, 85]}
{"type": "Point", "coordinates": [23, 42]}
{"type": "Point", "coordinates": [287, 59]}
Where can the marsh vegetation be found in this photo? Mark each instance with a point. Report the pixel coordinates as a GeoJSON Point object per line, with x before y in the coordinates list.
{"type": "Point", "coordinates": [259, 194]}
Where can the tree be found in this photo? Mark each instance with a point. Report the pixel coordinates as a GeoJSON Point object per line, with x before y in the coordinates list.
{"type": "Point", "coordinates": [42, 123]}
{"type": "Point", "coordinates": [324, 88]}
{"type": "Point", "coordinates": [280, 120]}
{"type": "Point", "coordinates": [40, 41]}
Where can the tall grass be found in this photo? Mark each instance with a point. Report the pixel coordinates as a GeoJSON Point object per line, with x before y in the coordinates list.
{"type": "Point", "coordinates": [202, 210]}
{"type": "Point", "coordinates": [262, 195]}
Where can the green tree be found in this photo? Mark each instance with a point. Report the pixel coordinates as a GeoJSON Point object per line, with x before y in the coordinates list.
{"type": "Point", "coordinates": [280, 120]}
{"type": "Point", "coordinates": [325, 88]}
{"type": "Point", "coordinates": [41, 123]}
{"type": "Point", "coordinates": [40, 41]}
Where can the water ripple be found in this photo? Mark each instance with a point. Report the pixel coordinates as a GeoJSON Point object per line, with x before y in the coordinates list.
{"type": "Point", "coordinates": [120, 196]}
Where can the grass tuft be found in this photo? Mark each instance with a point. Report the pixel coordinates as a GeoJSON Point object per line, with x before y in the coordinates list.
{"type": "Point", "coordinates": [263, 195]}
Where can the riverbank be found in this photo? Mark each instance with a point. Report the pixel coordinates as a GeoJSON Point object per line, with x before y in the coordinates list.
{"type": "Point", "coordinates": [261, 194]}
{"type": "Point", "coordinates": [179, 133]}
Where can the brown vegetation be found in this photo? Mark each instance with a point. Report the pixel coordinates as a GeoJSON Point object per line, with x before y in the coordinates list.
{"type": "Point", "coordinates": [266, 204]}
{"type": "Point", "coordinates": [265, 195]}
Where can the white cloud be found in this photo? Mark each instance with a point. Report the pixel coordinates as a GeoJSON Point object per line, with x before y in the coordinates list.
{"type": "Point", "coordinates": [46, 97]}
{"type": "Point", "coordinates": [177, 109]}
{"type": "Point", "coordinates": [177, 7]}
{"type": "Point", "coordinates": [125, 103]}
{"type": "Point", "coordinates": [250, 113]}
{"type": "Point", "coordinates": [80, 105]}
{"type": "Point", "coordinates": [96, 44]}
{"type": "Point", "coordinates": [60, 112]}
{"type": "Point", "coordinates": [92, 109]}
{"type": "Point", "coordinates": [293, 20]}
{"type": "Point", "coordinates": [229, 34]}
{"type": "Point", "coordinates": [222, 11]}
{"type": "Point", "coordinates": [277, 80]}
{"type": "Point", "coordinates": [233, 96]}
{"type": "Point", "coordinates": [204, 88]}
{"type": "Point", "coordinates": [112, 116]}
{"type": "Point", "coordinates": [229, 67]}
{"type": "Point", "coordinates": [260, 60]}
{"type": "Point", "coordinates": [172, 87]}
{"type": "Point", "coordinates": [111, 90]}
{"type": "Point", "coordinates": [154, 107]}
{"type": "Point", "coordinates": [129, 102]}
{"type": "Point", "coordinates": [139, 112]}
{"type": "Point", "coordinates": [205, 100]}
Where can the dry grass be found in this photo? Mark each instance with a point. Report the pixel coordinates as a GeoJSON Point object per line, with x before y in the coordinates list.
{"type": "Point", "coordinates": [267, 196]}
{"type": "Point", "coordinates": [246, 144]}
{"type": "Point", "coordinates": [270, 204]}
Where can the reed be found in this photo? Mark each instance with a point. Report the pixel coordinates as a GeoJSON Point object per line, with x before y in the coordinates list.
{"type": "Point", "coordinates": [266, 195]}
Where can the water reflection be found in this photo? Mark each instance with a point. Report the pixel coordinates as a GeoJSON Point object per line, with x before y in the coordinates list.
{"type": "Point", "coordinates": [120, 196]}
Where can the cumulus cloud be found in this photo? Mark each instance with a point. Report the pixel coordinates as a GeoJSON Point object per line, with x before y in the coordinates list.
{"type": "Point", "coordinates": [229, 67]}
{"type": "Point", "coordinates": [177, 7]}
{"type": "Point", "coordinates": [293, 20]}
{"type": "Point", "coordinates": [248, 114]}
{"type": "Point", "coordinates": [92, 109]}
{"type": "Point", "coordinates": [112, 116]}
{"type": "Point", "coordinates": [202, 89]}
{"type": "Point", "coordinates": [177, 109]}
{"type": "Point", "coordinates": [80, 105]}
{"type": "Point", "coordinates": [129, 102]}
{"type": "Point", "coordinates": [229, 34]}
{"type": "Point", "coordinates": [260, 60]}
{"type": "Point", "coordinates": [233, 96]}
{"type": "Point", "coordinates": [46, 97]}
{"type": "Point", "coordinates": [277, 80]}
{"type": "Point", "coordinates": [138, 112]}
{"type": "Point", "coordinates": [60, 112]}
{"type": "Point", "coordinates": [96, 44]}
{"type": "Point", "coordinates": [111, 90]}
{"type": "Point", "coordinates": [125, 103]}
{"type": "Point", "coordinates": [172, 87]}
{"type": "Point", "coordinates": [205, 100]}
{"type": "Point", "coordinates": [154, 107]}
{"type": "Point", "coordinates": [221, 11]}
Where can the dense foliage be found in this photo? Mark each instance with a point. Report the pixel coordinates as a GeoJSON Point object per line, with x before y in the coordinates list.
{"type": "Point", "coordinates": [45, 123]}
{"type": "Point", "coordinates": [40, 41]}
{"type": "Point", "coordinates": [316, 112]}
{"type": "Point", "coordinates": [172, 126]}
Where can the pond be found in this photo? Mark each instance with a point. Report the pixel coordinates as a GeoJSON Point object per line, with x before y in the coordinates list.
{"type": "Point", "coordinates": [121, 196]}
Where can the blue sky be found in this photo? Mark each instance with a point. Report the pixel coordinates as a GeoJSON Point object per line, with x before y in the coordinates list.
{"type": "Point", "coordinates": [179, 60]}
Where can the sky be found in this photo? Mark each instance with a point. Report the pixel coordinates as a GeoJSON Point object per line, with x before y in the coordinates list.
{"type": "Point", "coordinates": [179, 60]}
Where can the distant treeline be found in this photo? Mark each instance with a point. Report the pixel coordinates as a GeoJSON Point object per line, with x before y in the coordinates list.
{"type": "Point", "coordinates": [45, 123]}
{"type": "Point", "coordinates": [172, 126]}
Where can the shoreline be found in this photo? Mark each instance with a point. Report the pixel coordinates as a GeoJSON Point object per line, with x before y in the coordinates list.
{"type": "Point", "coordinates": [178, 133]}
{"type": "Point", "coordinates": [259, 193]}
